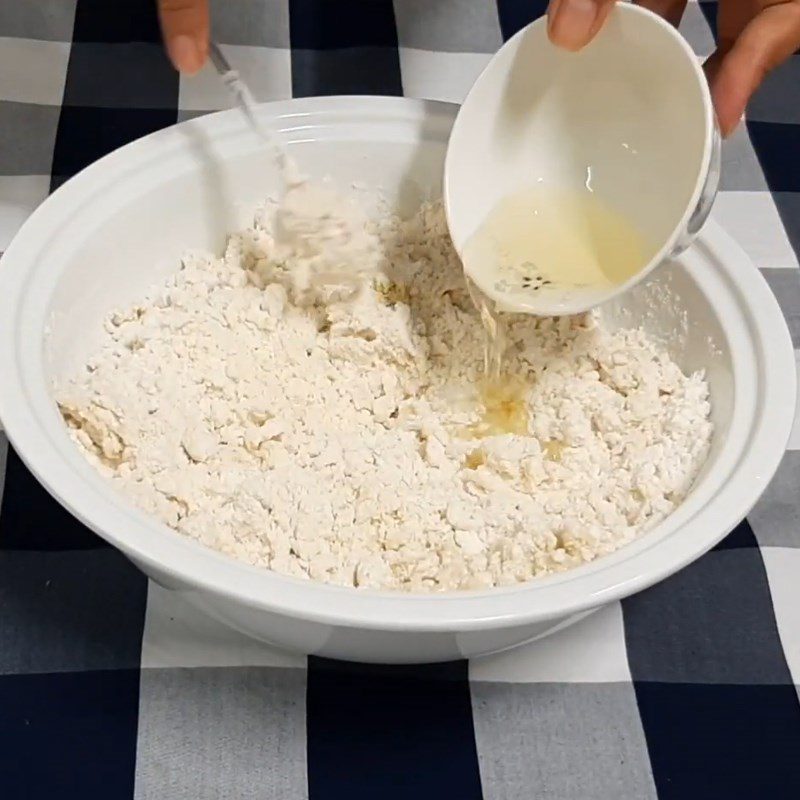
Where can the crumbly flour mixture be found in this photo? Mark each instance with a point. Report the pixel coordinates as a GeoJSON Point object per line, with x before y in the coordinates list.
{"type": "Point", "coordinates": [334, 434]}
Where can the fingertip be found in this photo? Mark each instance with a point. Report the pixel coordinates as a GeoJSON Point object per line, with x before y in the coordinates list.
{"type": "Point", "coordinates": [730, 92]}
{"type": "Point", "coordinates": [728, 112]}
{"type": "Point", "coordinates": [571, 24]}
{"type": "Point", "coordinates": [729, 123]}
{"type": "Point", "coordinates": [186, 53]}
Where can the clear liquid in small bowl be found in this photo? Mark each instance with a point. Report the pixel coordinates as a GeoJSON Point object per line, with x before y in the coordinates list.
{"type": "Point", "coordinates": [547, 240]}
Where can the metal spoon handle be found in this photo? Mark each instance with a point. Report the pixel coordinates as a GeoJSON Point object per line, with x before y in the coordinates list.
{"type": "Point", "coordinates": [238, 89]}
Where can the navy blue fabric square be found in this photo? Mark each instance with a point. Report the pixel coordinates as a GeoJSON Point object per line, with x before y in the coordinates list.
{"type": "Point", "coordinates": [73, 611]}
{"type": "Point", "coordinates": [344, 48]}
{"type": "Point", "coordinates": [115, 91]}
{"type": "Point", "coordinates": [516, 14]}
{"type": "Point", "coordinates": [30, 519]}
{"type": "Point", "coordinates": [70, 736]}
{"type": "Point", "coordinates": [710, 623]}
{"type": "Point", "coordinates": [741, 536]}
{"type": "Point", "coordinates": [117, 21]}
{"type": "Point", "coordinates": [777, 145]}
{"type": "Point", "coordinates": [87, 134]}
{"type": "Point", "coordinates": [323, 25]}
{"type": "Point", "coordinates": [131, 75]}
{"type": "Point", "coordinates": [358, 70]}
{"type": "Point", "coordinates": [722, 742]}
{"type": "Point", "coordinates": [390, 732]}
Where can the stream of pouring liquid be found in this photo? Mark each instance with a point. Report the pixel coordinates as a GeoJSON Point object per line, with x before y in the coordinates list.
{"type": "Point", "coordinates": [503, 396]}
{"type": "Point", "coordinates": [540, 240]}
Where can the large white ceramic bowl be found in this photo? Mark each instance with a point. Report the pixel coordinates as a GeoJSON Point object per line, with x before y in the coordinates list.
{"type": "Point", "coordinates": [102, 239]}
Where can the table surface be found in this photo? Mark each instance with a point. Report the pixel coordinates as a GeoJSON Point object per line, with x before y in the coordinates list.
{"type": "Point", "coordinates": [112, 688]}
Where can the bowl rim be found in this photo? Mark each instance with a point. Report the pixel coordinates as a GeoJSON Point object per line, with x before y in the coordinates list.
{"type": "Point", "coordinates": [42, 442]}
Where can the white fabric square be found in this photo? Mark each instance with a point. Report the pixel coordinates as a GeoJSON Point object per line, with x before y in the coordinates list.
{"type": "Point", "coordinates": [233, 734]}
{"type": "Point", "coordinates": [783, 569]}
{"type": "Point", "coordinates": [590, 651]}
{"type": "Point", "coordinates": [19, 197]}
{"type": "Point", "coordinates": [696, 31]}
{"type": "Point", "coordinates": [33, 71]}
{"type": "Point", "coordinates": [753, 220]}
{"type": "Point", "coordinates": [266, 70]}
{"type": "Point", "coordinates": [432, 26]}
{"type": "Point", "coordinates": [439, 76]}
{"type": "Point", "coordinates": [794, 437]}
{"type": "Point", "coordinates": [176, 634]}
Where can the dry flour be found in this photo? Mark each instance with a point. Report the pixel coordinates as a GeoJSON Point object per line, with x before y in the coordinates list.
{"type": "Point", "coordinates": [323, 433]}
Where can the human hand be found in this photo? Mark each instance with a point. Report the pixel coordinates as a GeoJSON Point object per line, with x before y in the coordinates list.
{"type": "Point", "coordinates": [185, 27]}
{"type": "Point", "coordinates": [753, 37]}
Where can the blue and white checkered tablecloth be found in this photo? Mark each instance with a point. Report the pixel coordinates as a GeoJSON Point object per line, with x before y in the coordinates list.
{"type": "Point", "coordinates": [110, 687]}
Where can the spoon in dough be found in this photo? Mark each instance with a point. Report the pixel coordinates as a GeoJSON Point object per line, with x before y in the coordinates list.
{"type": "Point", "coordinates": [325, 231]}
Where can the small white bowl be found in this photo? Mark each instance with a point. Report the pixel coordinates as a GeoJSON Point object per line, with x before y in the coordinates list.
{"type": "Point", "coordinates": [121, 225]}
{"type": "Point", "coordinates": [631, 114]}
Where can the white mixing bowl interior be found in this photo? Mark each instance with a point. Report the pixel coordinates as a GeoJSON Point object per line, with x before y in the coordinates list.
{"type": "Point", "coordinates": [139, 240]}
{"type": "Point", "coordinates": [161, 212]}
{"type": "Point", "coordinates": [121, 226]}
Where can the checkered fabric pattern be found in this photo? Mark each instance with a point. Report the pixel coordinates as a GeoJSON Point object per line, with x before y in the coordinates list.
{"type": "Point", "coordinates": [113, 688]}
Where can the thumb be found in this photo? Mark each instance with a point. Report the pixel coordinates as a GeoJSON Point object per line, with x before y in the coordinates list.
{"type": "Point", "coordinates": [737, 69]}
{"type": "Point", "coordinates": [572, 24]}
{"type": "Point", "coordinates": [185, 27]}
